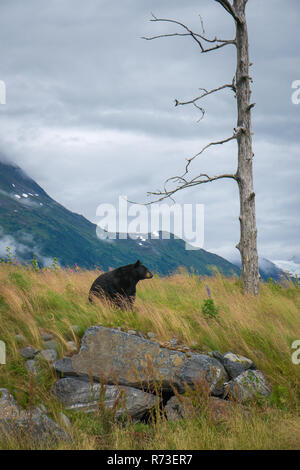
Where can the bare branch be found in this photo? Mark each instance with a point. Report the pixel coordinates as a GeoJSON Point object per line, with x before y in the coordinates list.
{"type": "Point", "coordinates": [199, 38]}
{"type": "Point", "coordinates": [206, 93]}
{"type": "Point", "coordinates": [184, 184]}
{"type": "Point", "coordinates": [211, 144]}
{"type": "Point", "coordinates": [230, 9]}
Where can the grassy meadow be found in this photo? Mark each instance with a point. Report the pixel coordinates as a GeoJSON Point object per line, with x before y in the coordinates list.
{"type": "Point", "coordinates": [261, 328]}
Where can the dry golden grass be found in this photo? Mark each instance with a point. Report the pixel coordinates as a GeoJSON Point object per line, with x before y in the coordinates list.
{"type": "Point", "coordinates": [262, 328]}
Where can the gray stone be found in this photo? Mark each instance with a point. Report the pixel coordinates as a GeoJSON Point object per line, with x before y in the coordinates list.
{"type": "Point", "coordinates": [131, 332]}
{"type": "Point", "coordinates": [175, 409]}
{"type": "Point", "coordinates": [31, 366]}
{"type": "Point", "coordinates": [217, 355]}
{"type": "Point", "coordinates": [78, 394]}
{"type": "Point", "coordinates": [64, 367]}
{"type": "Point", "coordinates": [46, 336]}
{"type": "Point", "coordinates": [198, 367]}
{"type": "Point", "coordinates": [234, 364]}
{"type": "Point", "coordinates": [173, 342]}
{"type": "Point", "coordinates": [151, 335]}
{"type": "Point", "coordinates": [28, 352]}
{"type": "Point", "coordinates": [50, 344]}
{"type": "Point", "coordinates": [130, 360]}
{"type": "Point", "coordinates": [49, 354]}
{"type": "Point", "coordinates": [32, 424]}
{"type": "Point", "coordinates": [20, 338]}
{"type": "Point", "coordinates": [247, 386]}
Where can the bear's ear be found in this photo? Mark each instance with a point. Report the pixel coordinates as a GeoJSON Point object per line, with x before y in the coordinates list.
{"type": "Point", "coordinates": [137, 263]}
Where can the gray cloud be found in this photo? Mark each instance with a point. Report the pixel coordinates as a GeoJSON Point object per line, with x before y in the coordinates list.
{"type": "Point", "coordinates": [90, 108]}
{"type": "Point", "coordinates": [21, 248]}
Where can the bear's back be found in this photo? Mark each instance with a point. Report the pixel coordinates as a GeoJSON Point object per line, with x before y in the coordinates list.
{"type": "Point", "coordinates": [105, 282]}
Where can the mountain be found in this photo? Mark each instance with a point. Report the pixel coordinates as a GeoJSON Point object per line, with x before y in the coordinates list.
{"type": "Point", "coordinates": [32, 222]}
{"type": "Point", "coordinates": [290, 267]}
{"type": "Point", "coordinates": [267, 269]}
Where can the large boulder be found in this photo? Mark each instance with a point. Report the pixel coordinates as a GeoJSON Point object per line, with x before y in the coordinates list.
{"type": "Point", "coordinates": [33, 424]}
{"type": "Point", "coordinates": [78, 394]}
{"type": "Point", "coordinates": [248, 385]}
{"type": "Point", "coordinates": [120, 358]}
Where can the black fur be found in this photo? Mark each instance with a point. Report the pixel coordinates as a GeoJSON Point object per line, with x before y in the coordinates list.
{"type": "Point", "coordinates": [119, 285]}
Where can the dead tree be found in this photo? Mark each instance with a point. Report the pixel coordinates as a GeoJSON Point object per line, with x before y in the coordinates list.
{"type": "Point", "coordinates": [242, 134]}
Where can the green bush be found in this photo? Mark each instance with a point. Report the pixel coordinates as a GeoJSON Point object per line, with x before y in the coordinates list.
{"type": "Point", "coordinates": [209, 309]}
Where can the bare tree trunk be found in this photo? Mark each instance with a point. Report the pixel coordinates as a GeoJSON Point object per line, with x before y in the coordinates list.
{"type": "Point", "coordinates": [243, 134]}
{"type": "Point", "coordinates": [248, 232]}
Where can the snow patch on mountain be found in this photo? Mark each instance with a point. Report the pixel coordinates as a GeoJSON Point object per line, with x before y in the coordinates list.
{"type": "Point", "coordinates": [290, 267]}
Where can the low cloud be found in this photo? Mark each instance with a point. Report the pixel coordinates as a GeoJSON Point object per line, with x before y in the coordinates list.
{"type": "Point", "coordinates": [22, 248]}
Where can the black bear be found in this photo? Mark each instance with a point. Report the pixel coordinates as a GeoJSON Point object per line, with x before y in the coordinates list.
{"type": "Point", "coordinates": [119, 285]}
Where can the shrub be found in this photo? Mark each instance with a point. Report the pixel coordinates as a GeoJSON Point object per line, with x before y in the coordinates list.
{"type": "Point", "coordinates": [209, 309]}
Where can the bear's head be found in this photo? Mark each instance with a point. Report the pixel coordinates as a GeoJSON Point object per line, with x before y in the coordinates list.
{"type": "Point", "coordinates": [141, 271]}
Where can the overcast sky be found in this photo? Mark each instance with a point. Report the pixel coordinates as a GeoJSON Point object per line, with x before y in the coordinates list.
{"type": "Point", "coordinates": [90, 108]}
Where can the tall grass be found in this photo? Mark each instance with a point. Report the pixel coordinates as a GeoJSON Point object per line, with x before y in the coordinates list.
{"type": "Point", "coordinates": [262, 328]}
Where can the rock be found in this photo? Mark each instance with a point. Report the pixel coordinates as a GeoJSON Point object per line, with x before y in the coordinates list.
{"type": "Point", "coordinates": [32, 424]}
{"type": "Point", "coordinates": [50, 344]}
{"type": "Point", "coordinates": [131, 332]}
{"type": "Point", "coordinates": [78, 394]}
{"type": "Point", "coordinates": [64, 367]}
{"type": "Point", "coordinates": [234, 364]}
{"type": "Point", "coordinates": [217, 355]}
{"type": "Point", "coordinates": [173, 342]}
{"type": "Point", "coordinates": [72, 346]}
{"type": "Point", "coordinates": [130, 360]}
{"type": "Point", "coordinates": [31, 366]}
{"type": "Point", "coordinates": [20, 338]}
{"type": "Point", "coordinates": [215, 408]}
{"type": "Point", "coordinates": [46, 336]}
{"type": "Point", "coordinates": [248, 385]}
{"type": "Point", "coordinates": [175, 408]}
{"type": "Point", "coordinates": [199, 366]}
{"type": "Point", "coordinates": [28, 352]}
{"type": "Point", "coordinates": [151, 335]}
{"type": "Point", "coordinates": [49, 354]}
